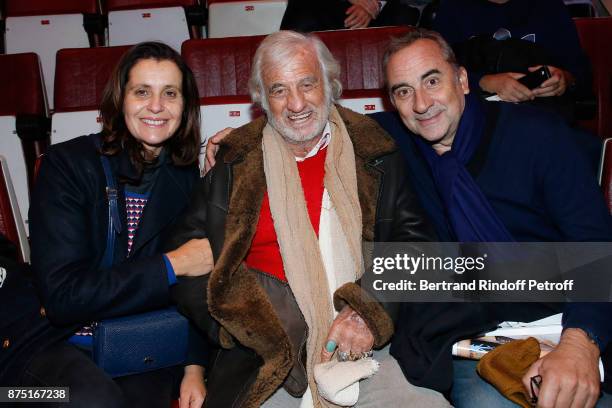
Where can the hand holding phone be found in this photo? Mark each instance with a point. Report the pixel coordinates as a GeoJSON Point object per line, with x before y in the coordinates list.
{"type": "Point", "coordinates": [535, 78]}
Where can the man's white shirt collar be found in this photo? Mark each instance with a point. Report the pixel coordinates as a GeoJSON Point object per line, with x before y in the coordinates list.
{"type": "Point", "coordinates": [321, 144]}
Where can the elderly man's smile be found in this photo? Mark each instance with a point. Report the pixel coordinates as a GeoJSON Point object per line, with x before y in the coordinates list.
{"type": "Point", "coordinates": [301, 117]}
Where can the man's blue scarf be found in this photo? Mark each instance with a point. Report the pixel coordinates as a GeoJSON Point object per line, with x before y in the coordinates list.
{"type": "Point", "coordinates": [469, 212]}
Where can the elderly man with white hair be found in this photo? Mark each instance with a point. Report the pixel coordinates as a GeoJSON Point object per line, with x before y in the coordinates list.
{"type": "Point", "coordinates": [286, 207]}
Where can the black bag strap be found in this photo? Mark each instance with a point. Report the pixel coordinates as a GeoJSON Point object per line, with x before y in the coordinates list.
{"type": "Point", "coordinates": [114, 222]}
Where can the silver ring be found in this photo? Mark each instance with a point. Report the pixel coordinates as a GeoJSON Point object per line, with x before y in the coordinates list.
{"type": "Point", "coordinates": [360, 355]}
{"type": "Point", "coordinates": [343, 355]}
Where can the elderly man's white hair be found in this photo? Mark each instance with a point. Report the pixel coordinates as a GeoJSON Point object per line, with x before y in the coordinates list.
{"type": "Point", "coordinates": [282, 45]}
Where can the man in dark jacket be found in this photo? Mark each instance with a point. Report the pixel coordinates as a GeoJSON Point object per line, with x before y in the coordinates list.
{"type": "Point", "coordinates": [493, 173]}
{"type": "Point", "coordinates": [285, 208]}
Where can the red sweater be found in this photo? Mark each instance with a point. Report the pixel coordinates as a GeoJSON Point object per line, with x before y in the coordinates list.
{"type": "Point", "coordinates": [264, 253]}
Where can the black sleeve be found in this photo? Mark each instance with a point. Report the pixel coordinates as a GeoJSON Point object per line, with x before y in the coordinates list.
{"type": "Point", "coordinates": [190, 293]}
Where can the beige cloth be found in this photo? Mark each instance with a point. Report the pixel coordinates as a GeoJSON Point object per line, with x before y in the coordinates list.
{"type": "Point", "coordinates": [338, 382]}
{"type": "Point", "coordinates": [298, 242]}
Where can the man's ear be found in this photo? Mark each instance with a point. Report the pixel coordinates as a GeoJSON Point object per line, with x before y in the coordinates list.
{"type": "Point", "coordinates": [463, 80]}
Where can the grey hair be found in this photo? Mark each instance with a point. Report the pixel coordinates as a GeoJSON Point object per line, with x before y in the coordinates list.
{"type": "Point", "coordinates": [282, 45]}
{"type": "Point", "coordinates": [399, 43]}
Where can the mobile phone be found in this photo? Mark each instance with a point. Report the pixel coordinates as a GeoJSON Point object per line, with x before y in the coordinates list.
{"type": "Point", "coordinates": [534, 79]}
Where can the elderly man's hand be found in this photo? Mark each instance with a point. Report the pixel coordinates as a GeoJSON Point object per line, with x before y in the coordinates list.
{"type": "Point", "coordinates": [193, 258]}
{"type": "Point", "coordinates": [213, 146]}
{"type": "Point", "coordinates": [556, 85]}
{"type": "Point", "coordinates": [350, 333]}
{"type": "Point", "coordinates": [570, 373]}
{"type": "Point", "coordinates": [506, 86]}
{"type": "Point", "coordinates": [357, 17]}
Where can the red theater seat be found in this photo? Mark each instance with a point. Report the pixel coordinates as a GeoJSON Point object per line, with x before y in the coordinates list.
{"type": "Point", "coordinates": [21, 85]}
{"type": "Point", "coordinates": [169, 21]}
{"type": "Point", "coordinates": [11, 223]}
{"type": "Point", "coordinates": [44, 26]}
{"type": "Point", "coordinates": [360, 53]}
{"type": "Point", "coordinates": [605, 174]}
{"type": "Point", "coordinates": [221, 65]}
{"type": "Point", "coordinates": [80, 78]}
{"type": "Point", "coordinates": [23, 123]}
{"type": "Point", "coordinates": [595, 36]}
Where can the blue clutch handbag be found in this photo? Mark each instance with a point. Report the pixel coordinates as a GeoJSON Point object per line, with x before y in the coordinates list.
{"type": "Point", "coordinates": [138, 343]}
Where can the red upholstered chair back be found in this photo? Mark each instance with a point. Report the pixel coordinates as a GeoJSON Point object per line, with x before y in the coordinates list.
{"type": "Point", "coordinates": [360, 53]}
{"type": "Point", "coordinates": [37, 165]}
{"type": "Point", "coordinates": [8, 226]}
{"type": "Point", "coordinates": [81, 75]}
{"type": "Point", "coordinates": [221, 66]}
{"type": "Point", "coordinates": [22, 109]}
{"type": "Point", "coordinates": [16, 8]}
{"type": "Point", "coordinates": [21, 85]}
{"type": "Point", "coordinates": [606, 172]}
{"type": "Point", "coordinates": [114, 5]}
{"type": "Point", "coordinates": [595, 36]}
{"type": "Point", "coordinates": [11, 223]}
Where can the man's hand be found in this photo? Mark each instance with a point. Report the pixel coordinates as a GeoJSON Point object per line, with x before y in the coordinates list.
{"type": "Point", "coordinates": [371, 6]}
{"type": "Point", "coordinates": [193, 390]}
{"type": "Point", "coordinates": [357, 17]}
{"type": "Point", "coordinates": [506, 86]}
{"type": "Point", "coordinates": [350, 333]}
{"type": "Point", "coordinates": [213, 146]}
{"type": "Point", "coordinates": [570, 373]}
{"type": "Point", "coordinates": [193, 258]}
{"type": "Point", "coordinates": [556, 85]}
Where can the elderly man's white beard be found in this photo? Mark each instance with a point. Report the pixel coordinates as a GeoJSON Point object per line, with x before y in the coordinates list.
{"type": "Point", "coordinates": [294, 136]}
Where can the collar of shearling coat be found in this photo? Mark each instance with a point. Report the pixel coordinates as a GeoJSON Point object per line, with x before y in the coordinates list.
{"type": "Point", "coordinates": [235, 298]}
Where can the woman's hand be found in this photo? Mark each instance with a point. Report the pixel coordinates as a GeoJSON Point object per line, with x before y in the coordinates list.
{"type": "Point", "coordinates": [193, 258]}
{"type": "Point", "coordinates": [193, 390]}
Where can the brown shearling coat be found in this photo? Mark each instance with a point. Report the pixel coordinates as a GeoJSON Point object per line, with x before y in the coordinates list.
{"type": "Point", "coordinates": [226, 209]}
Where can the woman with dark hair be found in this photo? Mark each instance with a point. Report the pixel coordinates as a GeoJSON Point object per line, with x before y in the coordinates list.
{"type": "Point", "coordinates": [151, 139]}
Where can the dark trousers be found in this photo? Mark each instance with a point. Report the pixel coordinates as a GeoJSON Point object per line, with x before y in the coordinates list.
{"type": "Point", "coordinates": [319, 15]}
{"type": "Point", "coordinates": [65, 365]}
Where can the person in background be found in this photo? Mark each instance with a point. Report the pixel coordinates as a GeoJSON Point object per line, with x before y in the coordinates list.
{"type": "Point", "coordinates": [150, 135]}
{"type": "Point", "coordinates": [546, 24]}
